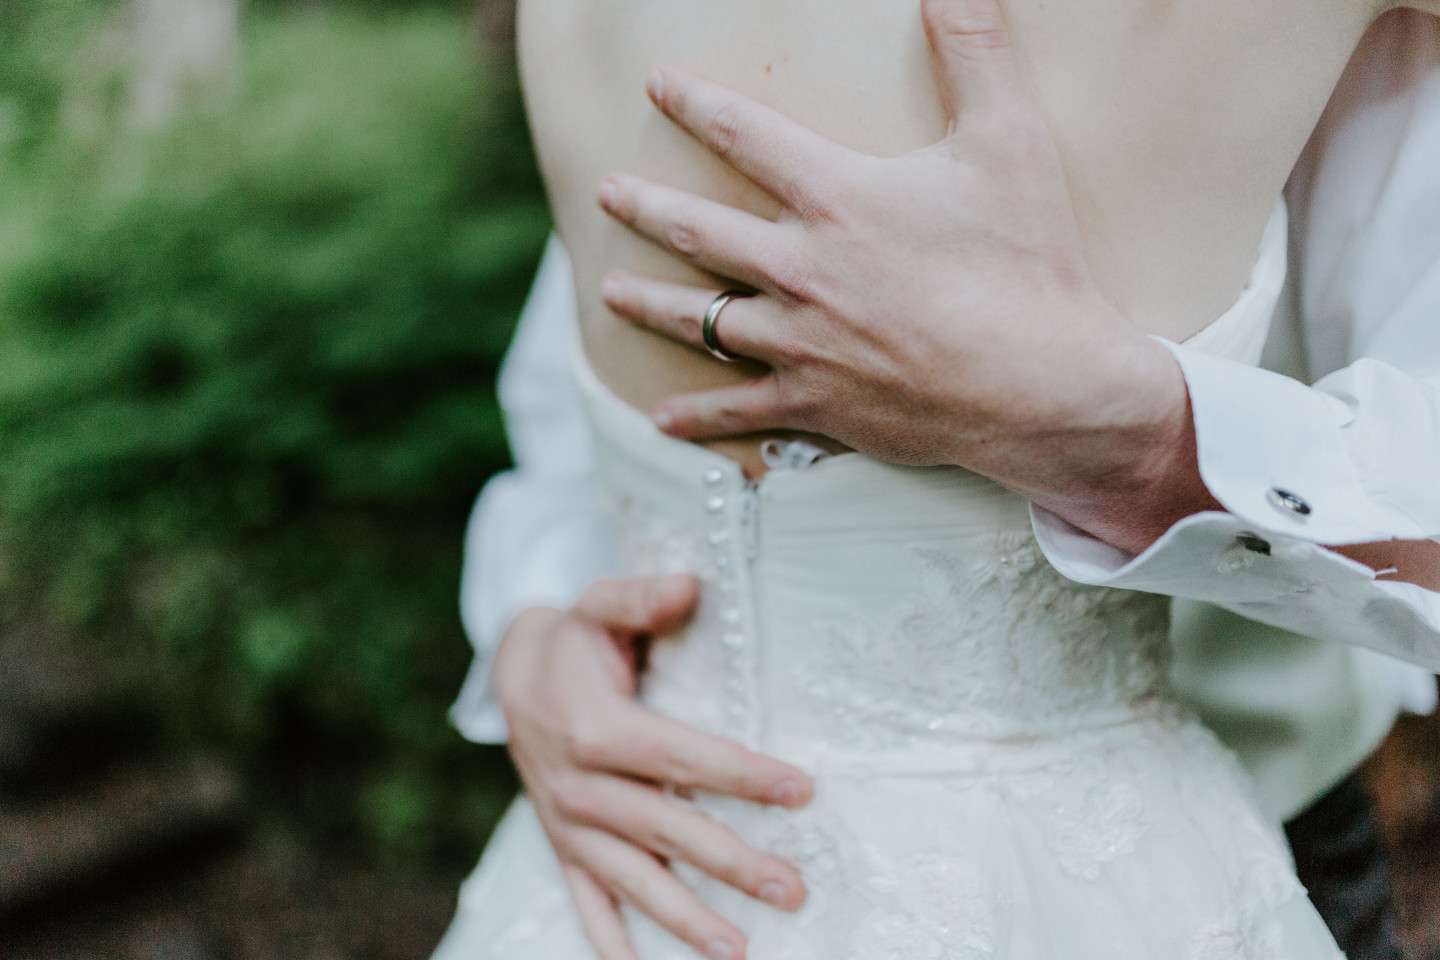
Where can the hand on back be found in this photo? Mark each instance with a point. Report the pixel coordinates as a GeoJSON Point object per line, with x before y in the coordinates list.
{"type": "Point", "coordinates": [932, 308]}
{"type": "Point", "coordinates": [608, 777]}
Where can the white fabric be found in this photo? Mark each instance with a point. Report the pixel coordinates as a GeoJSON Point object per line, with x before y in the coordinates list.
{"type": "Point", "coordinates": [537, 535]}
{"type": "Point", "coordinates": [1362, 446]}
{"type": "Point", "coordinates": [896, 632]}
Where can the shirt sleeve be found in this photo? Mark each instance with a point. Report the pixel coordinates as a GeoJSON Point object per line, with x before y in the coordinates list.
{"type": "Point", "coordinates": [538, 535]}
{"type": "Point", "coordinates": [1354, 456]}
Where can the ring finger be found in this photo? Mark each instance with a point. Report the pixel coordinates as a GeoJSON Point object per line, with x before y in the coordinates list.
{"type": "Point", "coordinates": [678, 831]}
{"type": "Point", "coordinates": [678, 312]}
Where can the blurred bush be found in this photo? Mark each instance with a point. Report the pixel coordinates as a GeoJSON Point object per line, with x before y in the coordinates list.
{"type": "Point", "coordinates": [246, 368]}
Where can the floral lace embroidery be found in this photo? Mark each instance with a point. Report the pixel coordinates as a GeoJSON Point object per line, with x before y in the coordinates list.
{"type": "Point", "coordinates": [985, 646]}
{"type": "Point", "coordinates": [921, 907]}
{"type": "Point", "coordinates": [1109, 824]}
{"type": "Point", "coordinates": [1236, 938]}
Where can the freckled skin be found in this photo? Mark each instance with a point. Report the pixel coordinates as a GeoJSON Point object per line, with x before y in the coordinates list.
{"type": "Point", "coordinates": [1178, 122]}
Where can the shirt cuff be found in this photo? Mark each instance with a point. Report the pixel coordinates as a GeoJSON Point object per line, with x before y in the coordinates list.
{"type": "Point", "coordinates": [1314, 463]}
{"type": "Point", "coordinates": [1283, 581]}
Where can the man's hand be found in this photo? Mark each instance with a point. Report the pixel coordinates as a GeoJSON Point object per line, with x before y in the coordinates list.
{"type": "Point", "coordinates": [595, 764]}
{"type": "Point", "coordinates": [931, 308]}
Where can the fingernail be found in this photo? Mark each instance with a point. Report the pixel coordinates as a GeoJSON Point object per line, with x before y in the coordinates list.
{"type": "Point", "coordinates": [786, 793]}
{"type": "Point", "coordinates": [664, 420]}
{"type": "Point", "coordinates": [654, 84]}
{"type": "Point", "coordinates": [607, 193]}
{"type": "Point", "coordinates": [773, 892]}
{"type": "Point", "coordinates": [720, 950]}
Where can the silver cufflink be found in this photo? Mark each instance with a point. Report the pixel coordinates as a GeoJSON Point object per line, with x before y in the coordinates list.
{"type": "Point", "coordinates": [1287, 502]}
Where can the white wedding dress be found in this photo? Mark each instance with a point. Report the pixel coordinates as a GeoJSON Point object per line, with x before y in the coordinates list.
{"type": "Point", "coordinates": [1000, 771]}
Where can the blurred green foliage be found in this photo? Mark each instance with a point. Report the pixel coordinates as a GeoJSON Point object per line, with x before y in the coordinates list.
{"type": "Point", "coordinates": [246, 369]}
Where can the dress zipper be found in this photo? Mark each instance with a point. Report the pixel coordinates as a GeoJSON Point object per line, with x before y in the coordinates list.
{"type": "Point", "coordinates": [750, 518]}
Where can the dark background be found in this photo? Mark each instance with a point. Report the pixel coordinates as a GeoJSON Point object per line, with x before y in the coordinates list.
{"type": "Point", "coordinates": [258, 265]}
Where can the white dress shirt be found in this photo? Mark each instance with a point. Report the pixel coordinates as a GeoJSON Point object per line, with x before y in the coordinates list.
{"type": "Point", "coordinates": [1357, 456]}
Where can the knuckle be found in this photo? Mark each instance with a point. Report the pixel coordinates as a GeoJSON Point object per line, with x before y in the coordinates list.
{"type": "Point", "coordinates": [683, 236]}
{"type": "Point", "coordinates": [695, 927]}
{"type": "Point", "coordinates": [793, 279]}
{"type": "Point", "coordinates": [585, 744]}
{"type": "Point", "coordinates": [725, 130]}
{"type": "Point", "coordinates": [679, 771]}
{"type": "Point", "coordinates": [732, 414]}
{"type": "Point", "coordinates": [797, 405]}
{"type": "Point", "coordinates": [727, 409]}
{"type": "Point", "coordinates": [976, 30]}
{"type": "Point", "coordinates": [981, 34]}
{"type": "Point", "coordinates": [820, 200]}
{"type": "Point", "coordinates": [793, 398]}
{"type": "Point", "coordinates": [688, 325]}
{"type": "Point", "coordinates": [988, 32]}
{"type": "Point", "coordinates": [572, 798]}
{"type": "Point", "coordinates": [791, 350]}
{"type": "Point", "coordinates": [729, 861]}
{"type": "Point", "coordinates": [668, 837]}
{"type": "Point", "coordinates": [688, 315]}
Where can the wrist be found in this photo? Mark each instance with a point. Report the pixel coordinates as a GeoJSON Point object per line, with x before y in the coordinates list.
{"type": "Point", "coordinates": [1143, 475]}
{"type": "Point", "coordinates": [1165, 486]}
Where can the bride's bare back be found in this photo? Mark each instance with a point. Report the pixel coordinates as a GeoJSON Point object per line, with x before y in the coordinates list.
{"type": "Point", "coordinates": [1178, 122]}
